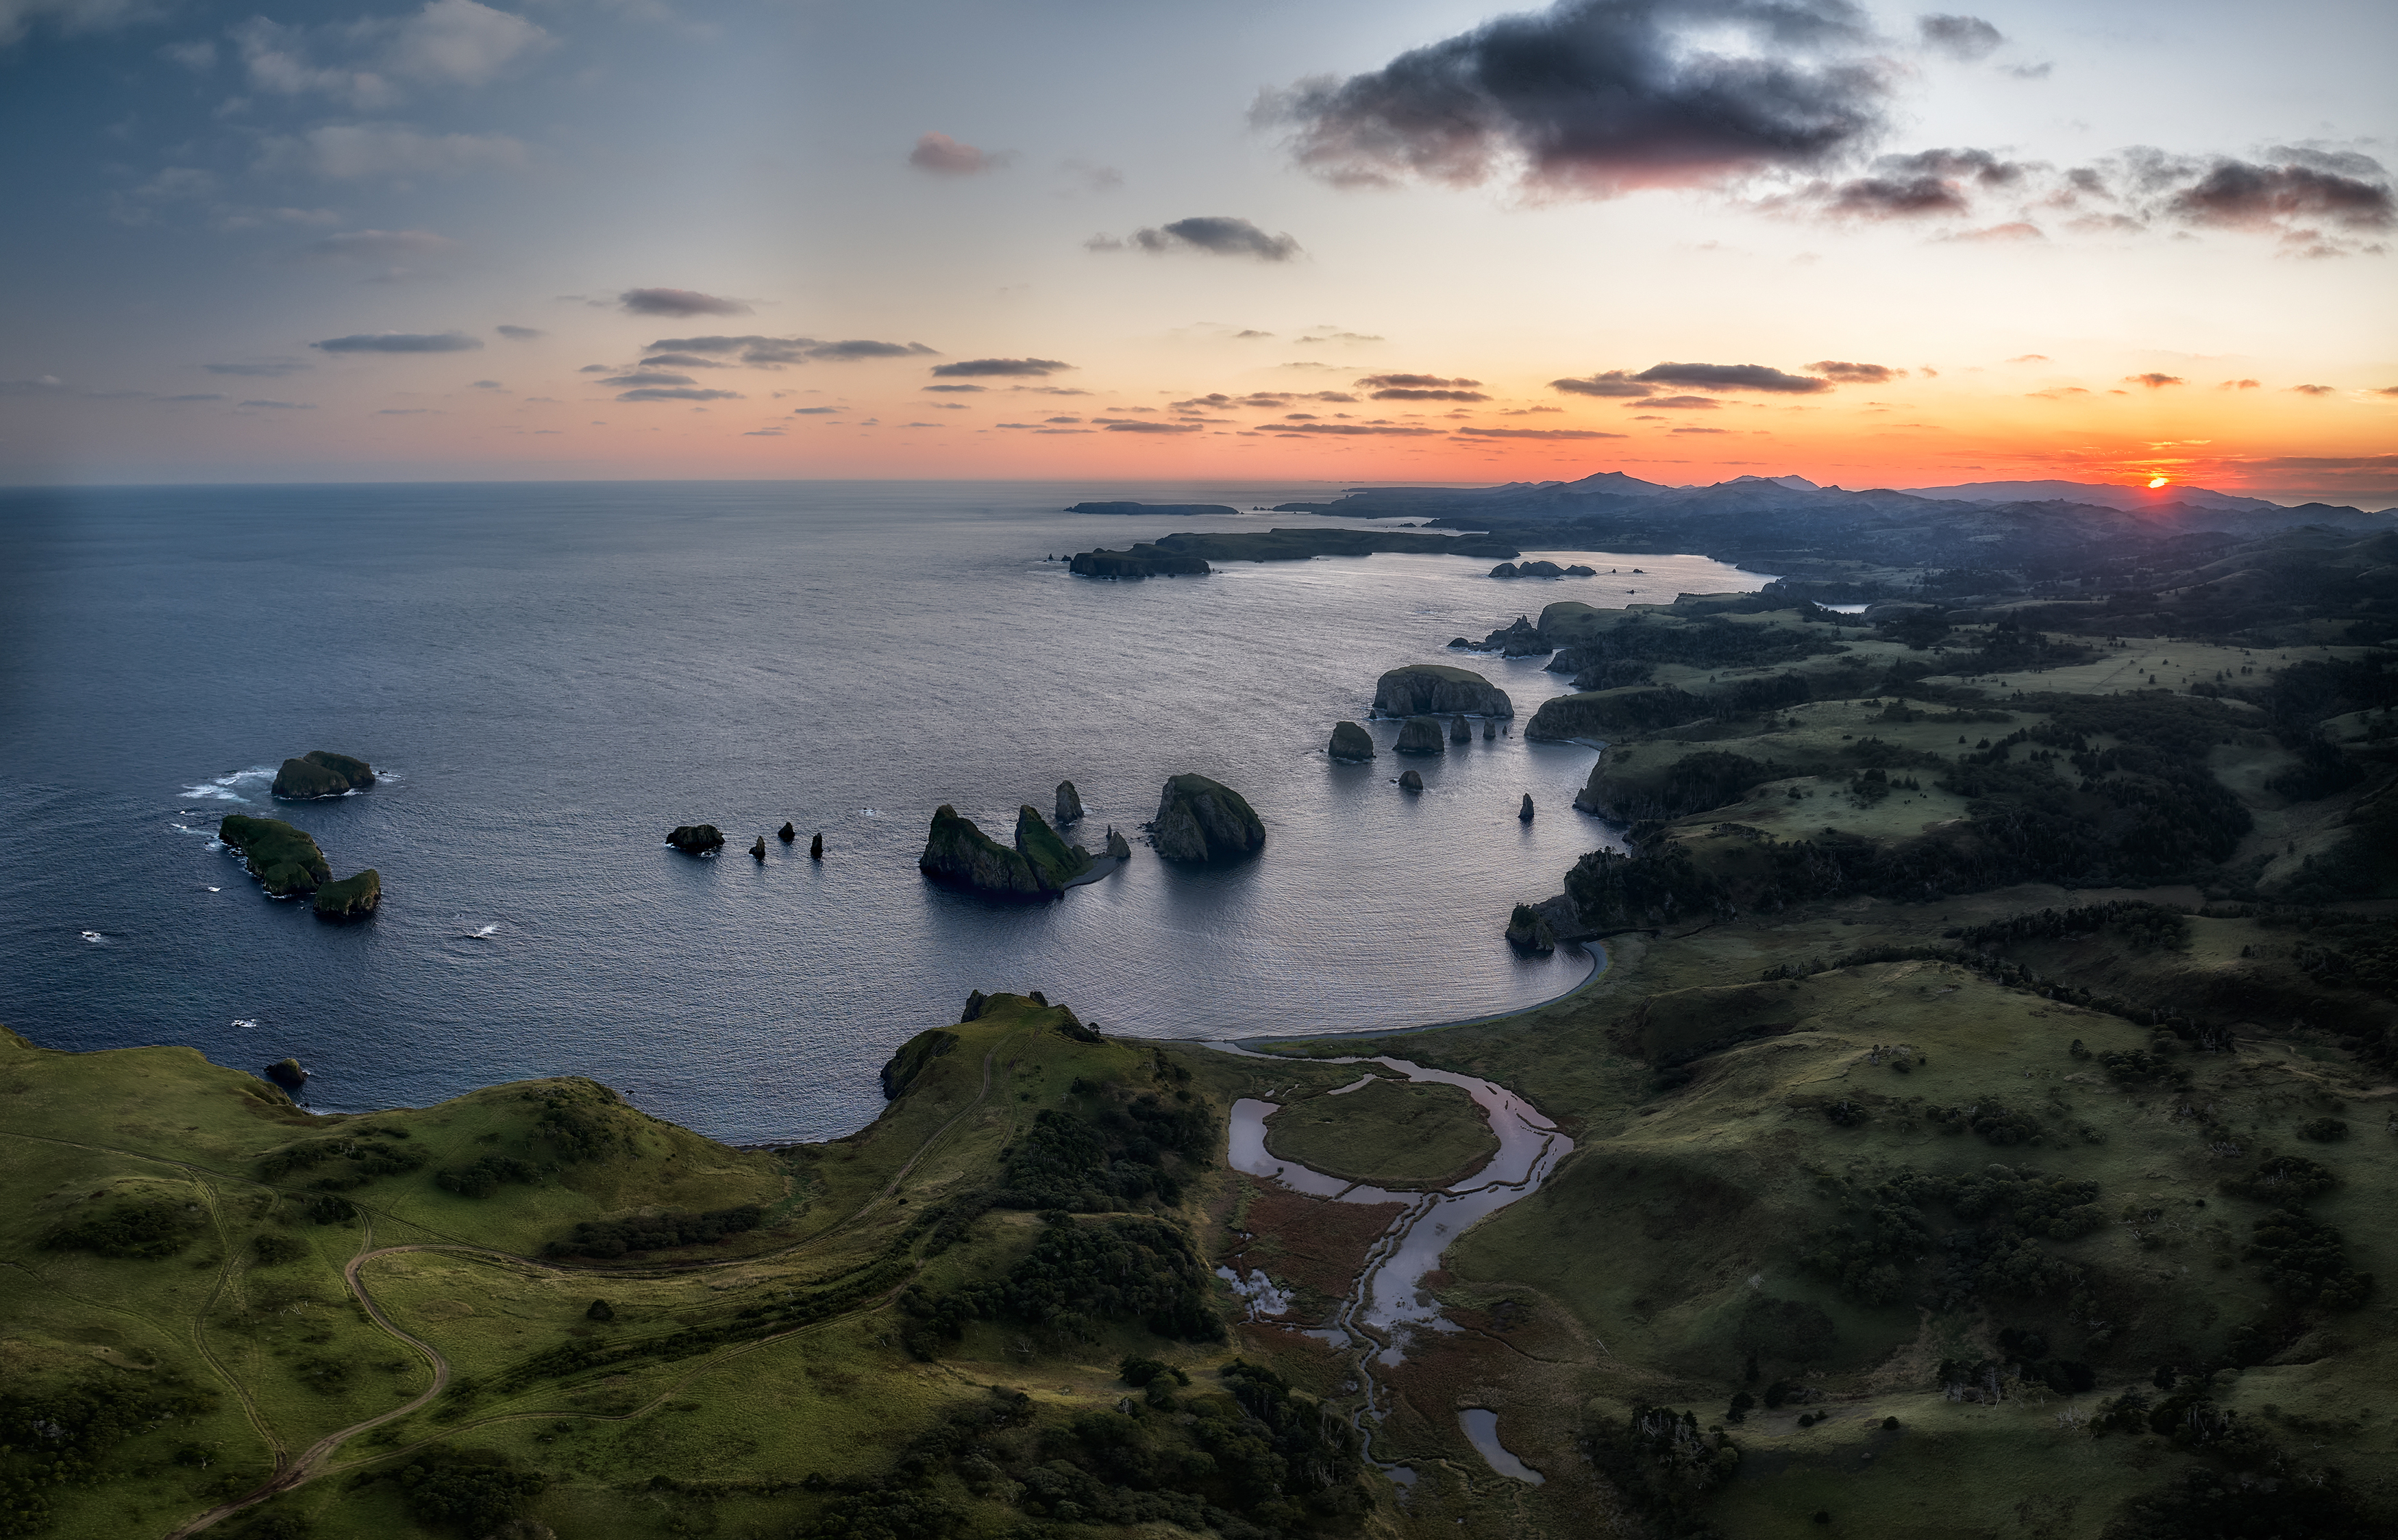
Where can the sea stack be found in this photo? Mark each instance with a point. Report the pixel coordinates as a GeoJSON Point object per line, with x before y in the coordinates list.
{"type": "Point", "coordinates": [1057, 862]}
{"type": "Point", "coordinates": [1530, 930]}
{"type": "Point", "coordinates": [1459, 732]}
{"type": "Point", "coordinates": [352, 898]}
{"type": "Point", "coordinates": [1437, 689]}
{"type": "Point", "coordinates": [815, 847]}
{"type": "Point", "coordinates": [1411, 781]}
{"type": "Point", "coordinates": [1489, 729]}
{"type": "Point", "coordinates": [1350, 742]}
{"type": "Point", "coordinates": [318, 773]}
{"type": "Point", "coordinates": [285, 859]}
{"type": "Point", "coordinates": [1118, 846]}
{"type": "Point", "coordinates": [1524, 813]}
{"type": "Point", "coordinates": [1419, 736]}
{"type": "Point", "coordinates": [696, 838]}
{"type": "Point", "coordinates": [1203, 819]}
{"type": "Point", "coordinates": [1069, 804]}
{"type": "Point", "coordinates": [787, 833]}
{"type": "Point", "coordinates": [961, 854]}
{"type": "Point", "coordinates": [758, 851]}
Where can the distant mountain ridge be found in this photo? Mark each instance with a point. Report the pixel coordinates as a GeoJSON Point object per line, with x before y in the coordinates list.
{"type": "Point", "coordinates": [2096, 494]}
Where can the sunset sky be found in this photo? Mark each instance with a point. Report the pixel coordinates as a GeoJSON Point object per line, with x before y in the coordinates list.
{"type": "Point", "coordinates": [1361, 240]}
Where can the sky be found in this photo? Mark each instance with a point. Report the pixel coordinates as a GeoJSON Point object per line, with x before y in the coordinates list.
{"type": "Point", "coordinates": [1347, 240]}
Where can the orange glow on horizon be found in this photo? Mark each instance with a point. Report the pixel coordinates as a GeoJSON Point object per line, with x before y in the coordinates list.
{"type": "Point", "coordinates": [2155, 482]}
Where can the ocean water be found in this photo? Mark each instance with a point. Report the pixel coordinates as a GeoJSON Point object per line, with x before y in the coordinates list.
{"type": "Point", "coordinates": [551, 677]}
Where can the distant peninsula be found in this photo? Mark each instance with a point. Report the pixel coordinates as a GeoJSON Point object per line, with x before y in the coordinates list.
{"type": "Point", "coordinates": [1189, 510]}
{"type": "Point", "coordinates": [1191, 553]}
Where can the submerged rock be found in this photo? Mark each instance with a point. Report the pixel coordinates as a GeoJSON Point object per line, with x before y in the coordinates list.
{"type": "Point", "coordinates": [1204, 819]}
{"type": "Point", "coordinates": [285, 859]}
{"type": "Point", "coordinates": [961, 854]}
{"type": "Point", "coordinates": [1118, 846]}
{"type": "Point", "coordinates": [352, 898]}
{"type": "Point", "coordinates": [1419, 736]}
{"type": "Point", "coordinates": [1459, 732]}
{"type": "Point", "coordinates": [319, 773]}
{"type": "Point", "coordinates": [696, 838]}
{"type": "Point", "coordinates": [1524, 813]}
{"type": "Point", "coordinates": [1350, 741]}
{"type": "Point", "coordinates": [1420, 689]}
{"type": "Point", "coordinates": [1057, 862]}
{"type": "Point", "coordinates": [787, 833]}
{"type": "Point", "coordinates": [1069, 804]}
{"type": "Point", "coordinates": [288, 1073]}
{"type": "Point", "coordinates": [1411, 781]}
{"type": "Point", "coordinates": [1530, 930]}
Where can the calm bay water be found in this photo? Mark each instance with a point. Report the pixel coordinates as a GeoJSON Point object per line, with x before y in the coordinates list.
{"type": "Point", "coordinates": [554, 676]}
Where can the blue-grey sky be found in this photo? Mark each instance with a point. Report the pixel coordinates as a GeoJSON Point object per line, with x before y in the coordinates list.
{"type": "Point", "coordinates": [758, 237]}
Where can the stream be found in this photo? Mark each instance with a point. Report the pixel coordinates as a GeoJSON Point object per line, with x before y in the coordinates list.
{"type": "Point", "coordinates": [1388, 1301]}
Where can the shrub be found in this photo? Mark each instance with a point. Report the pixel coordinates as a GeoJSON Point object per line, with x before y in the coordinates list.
{"type": "Point", "coordinates": [148, 1227]}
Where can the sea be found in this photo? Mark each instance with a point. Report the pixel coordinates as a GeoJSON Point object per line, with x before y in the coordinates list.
{"type": "Point", "coordinates": [548, 678]}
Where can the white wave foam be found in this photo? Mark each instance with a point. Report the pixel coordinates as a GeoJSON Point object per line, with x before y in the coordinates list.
{"type": "Point", "coordinates": [486, 930]}
{"type": "Point", "coordinates": [222, 789]}
{"type": "Point", "coordinates": [94, 936]}
{"type": "Point", "coordinates": [247, 1024]}
{"type": "Point", "coordinates": [216, 889]}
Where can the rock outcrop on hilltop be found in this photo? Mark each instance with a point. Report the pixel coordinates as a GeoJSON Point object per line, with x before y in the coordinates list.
{"type": "Point", "coordinates": [1421, 689]}
{"type": "Point", "coordinates": [1350, 742]}
{"type": "Point", "coordinates": [696, 838]}
{"type": "Point", "coordinates": [1419, 736]}
{"type": "Point", "coordinates": [286, 860]}
{"type": "Point", "coordinates": [1203, 819]}
{"type": "Point", "coordinates": [352, 898]}
{"type": "Point", "coordinates": [1143, 560]}
{"type": "Point", "coordinates": [319, 773]}
{"type": "Point", "coordinates": [1069, 804]}
{"type": "Point", "coordinates": [1057, 862]}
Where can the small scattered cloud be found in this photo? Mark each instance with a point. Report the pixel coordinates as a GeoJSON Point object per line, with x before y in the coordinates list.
{"type": "Point", "coordinates": [259, 371]}
{"type": "Point", "coordinates": [1332, 337]}
{"type": "Point", "coordinates": [520, 334]}
{"type": "Point", "coordinates": [1092, 179]}
{"type": "Point", "coordinates": [350, 152]}
{"type": "Point", "coordinates": [1535, 432]}
{"type": "Point", "coordinates": [1844, 373]}
{"type": "Point", "coordinates": [978, 368]}
{"type": "Point", "coordinates": [813, 411]}
{"type": "Point", "coordinates": [2242, 384]}
{"type": "Point", "coordinates": [677, 394]}
{"type": "Point", "coordinates": [1113, 426]}
{"type": "Point", "coordinates": [487, 384]}
{"type": "Point", "coordinates": [649, 377]}
{"type": "Point", "coordinates": [2239, 196]}
{"type": "Point", "coordinates": [2154, 380]}
{"type": "Point", "coordinates": [1965, 38]}
{"type": "Point", "coordinates": [678, 301]}
{"type": "Point", "coordinates": [1211, 234]}
{"type": "Point", "coordinates": [2058, 393]}
{"type": "Point", "coordinates": [400, 342]}
{"type": "Point", "coordinates": [46, 385]}
{"type": "Point", "coordinates": [1703, 430]}
{"type": "Point", "coordinates": [377, 245]}
{"type": "Point", "coordinates": [1419, 381]}
{"type": "Point", "coordinates": [1347, 430]}
{"type": "Point", "coordinates": [2030, 358]}
{"type": "Point", "coordinates": [2015, 230]}
{"type": "Point", "coordinates": [405, 412]}
{"type": "Point", "coordinates": [1731, 377]}
{"type": "Point", "coordinates": [2315, 390]}
{"type": "Point", "coordinates": [855, 348]}
{"type": "Point", "coordinates": [1613, 383]}
{"type": "Point", "coordinates": [945, 156]}
{"type": "Point", "coordinates": [957, 390]}
{"type": "Point", "coordinates": [280, 406]}
{"type": "Point", "coordinates": [679, 361]}
{"type": "Point", "coordinates": [1679, 403]}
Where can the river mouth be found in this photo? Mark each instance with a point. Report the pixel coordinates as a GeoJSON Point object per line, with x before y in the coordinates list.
{"type": "Point", "coordinates": [1388, 1301]}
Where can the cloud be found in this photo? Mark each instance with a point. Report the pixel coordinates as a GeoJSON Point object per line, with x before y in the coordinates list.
{"type": "Point", "coordinates": [2237, 195]}
{"type": "Point", "coordinates": [377, 244]}
{"type": "Point", "coordinates": [1213, 234]}
{"type": "Point", "coordinates": [1681, 403]}
{"type": "Point", "coordinates": [958, 388]}
{"type": "Point", "coordinates": [1095, 179]}
{"type": "Point", "coordinates": [1356, 429]}
{"type": "Point", "coordinates": [813, 411]}
{"type": "Point", "coordinates": [489, 384]}
{"type": "Point", "coordinates": [1404, 393]}
{"type": "Point", "coordinates": [1703, 430]}
{"type": "Point", "coordinates": [678, 393]}
{"type": "Point", "coordinates": [649, 377]}
{"type": "Point", "coordinates": [1966, 38]}
{"type": "Point", "coordinates": [677, 361]}
{"type": "Point", "coordinates": [520, 334]}
{"type": "Point", "coordinates": [1599, 97]}
{"type": "Point", "coordinates": [1417, 381]}
{"type": "Point", "coordinates": [259, 371]}
{"type": "Point", "coordinates": [2154, 380]}
{"type": "Point", "coordinates": [281, 405]}
{"type": "Point", "coordinates": [2315, 390]}
{"type": "Point", "coordinates": [405, 412]}
{"type": "Point", "coordinates": [2029, 358]}
{"type": "Point", "coordinates": [67, 17]}
{"type": "Point", "coordinates": [1615, 383]}
{"type": "Point", "coordinates": [2383, 390]}
{"type": "Point", "coordinates": [856, 348]}
{"type": "Point", "coordinates": [1333, 337]}
{"type": "Point", "coordinates": [1731, 377]}
{"type": "Point", "coordinates": [2058, 393]}
{"type": "Point", "coordinates": [48, 384]}
{"type": "Point", "coordinates": [400, 342]}
{"type": "Point", "coordinates": [460, 42]}
{"type": "Point", "coordinates": [1535, 432]}
{"type": "Point", "coordinates": [2015, 230]}
{"type": "Point", "coordinates": [1855, 374]}
{"type": "Point", "coordinates": [1148, 427]}
{"type": "Point", "coordinates": [970, 368]}
{"type": "Point", "coordinates": [346, 151]}
{"type": "Point", "coordinates": [945, 156]}
{"type": "Point", "coordinates": [678, 301]}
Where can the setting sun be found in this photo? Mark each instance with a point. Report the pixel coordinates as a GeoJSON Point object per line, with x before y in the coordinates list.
{"type": "Point", "coordinates": [2155, 482]}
